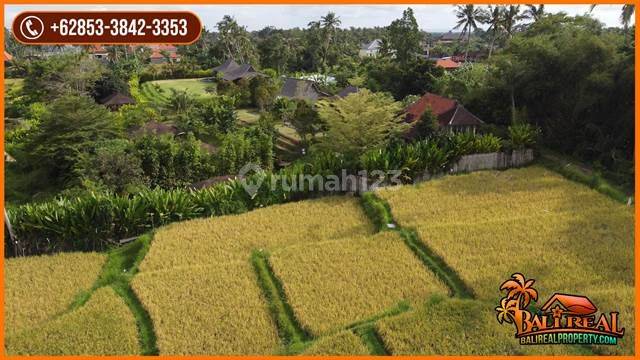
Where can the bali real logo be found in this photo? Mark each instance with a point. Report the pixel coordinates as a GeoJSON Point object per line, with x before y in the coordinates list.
{"type": "Point", "coordinates": [563, 319]}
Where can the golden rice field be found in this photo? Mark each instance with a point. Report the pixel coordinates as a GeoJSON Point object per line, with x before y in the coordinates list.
{"type": "Point", "coordinates": [204, 297]}
{"type": "Point", "coordinates": [38, 288]}
{"type": "Point", "coordinates": [202, 267]}
{"type": "Point", "coordinates": [233, 237]}
{"type": "Point", "coordinates": [213, 309]}
{"type": "Point", "coordinates": [103, 326]}
{"type": "Point", "coordinates": [342, 343]}
{"type": "Point", "coordinates": [488, 225]}
{"type": "Point", "coordinates": [335, 283]}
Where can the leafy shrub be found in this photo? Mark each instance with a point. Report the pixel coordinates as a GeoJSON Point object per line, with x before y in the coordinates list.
{"type": "Point", "coordinates": [92, 221]}
{"type": "Point", "coordinates": [522, 135]}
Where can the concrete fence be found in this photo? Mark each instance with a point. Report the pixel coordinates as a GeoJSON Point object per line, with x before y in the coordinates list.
{"type": "Point", "coordinates": [492, 161]}
{"type": "Point", "coordinates": [467, 163]}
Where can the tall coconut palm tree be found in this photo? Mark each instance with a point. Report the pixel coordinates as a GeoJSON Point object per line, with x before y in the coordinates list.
{"type": "Point", "coordinates": [468, 17]}
{"type": "Point", "coordinates": [329, 25]}
{"type": "Point", "coordinates": [625, 17]}
{"type": "Point", "coordinates": [510, 19]}
{"type": "Point", "coordinates": [534, 13]}
{"type": "Point", "coordinates": [521, 289]}
{"type": "Point", "coordinates": [492, 16]}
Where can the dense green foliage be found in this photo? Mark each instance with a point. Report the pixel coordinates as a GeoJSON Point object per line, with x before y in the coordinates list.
{"type": "Point", "coordinates": [92, 221]}
{"type": "Point", "coordinates": [568, 76]}
{"type": "Point", "coordinates": [360, 122]}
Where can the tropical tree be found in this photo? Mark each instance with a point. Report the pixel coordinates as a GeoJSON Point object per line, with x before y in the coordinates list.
{"type": "Point", "coordinates": [329, 25]}
{"type": "Point", "coordinates": [521, 289]}
{"type": "Point", "coordinates": [534, 12]}
{"type": "Point", "coordinates": [235, 41]}
{"type": "Point", "coordinates": [510, 19]}
{"type": "Point", "coordinates": [468, 17]}
{"type": "Point", "coordinates": [625, 16]}
{"type": "Point", "coordinates": [492, 16]}
{"type": "Point", "coordinates": [404, 37]}
{"type": "Point", "coordinates": [360, 122]}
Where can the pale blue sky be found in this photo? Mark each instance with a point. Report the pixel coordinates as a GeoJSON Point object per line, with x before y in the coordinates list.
{"type": "Point", "coordinates": [255, 17]}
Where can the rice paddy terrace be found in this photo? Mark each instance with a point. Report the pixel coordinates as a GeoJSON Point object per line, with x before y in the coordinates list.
{"type": "Point", "coordinates": [320, 277]}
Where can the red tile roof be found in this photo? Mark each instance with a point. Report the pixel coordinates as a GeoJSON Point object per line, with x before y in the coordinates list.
{"type": "Point", "coordinates": [158, 55]}
{"type": "Point", "coordinates": [7, 56]}
{"type": "Point", "coordinates": [97, 49]}
{"type": "Point", "coordinates": [448, 111]}
{"type": "Point", "coordinates": [447, 64]}
{"type": "Point", "coordinates": [161, 47]}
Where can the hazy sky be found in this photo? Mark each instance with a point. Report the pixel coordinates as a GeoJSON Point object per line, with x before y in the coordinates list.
{"type": "Point", "coordinates": [255, 17]}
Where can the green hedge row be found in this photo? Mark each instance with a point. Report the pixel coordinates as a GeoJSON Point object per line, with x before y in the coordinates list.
{"type": "Point", "coordinates": [96, 221]}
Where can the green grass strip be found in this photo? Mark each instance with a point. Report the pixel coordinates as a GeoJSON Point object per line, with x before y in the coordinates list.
{"type": "Point", "coordinates": [379, 211]}
{"type": "Point", "coordinates": [292, 334]}
{"type": "Point", "coordinates": [437, 265]}
{"type": "Point", "coordinates": [402, 306]}
{"type": "Point", "coordinates": [372, 340]}
{"type": "Point", "coordinates": [122, 263]}
{"type": "Point", "coordinates": [590, 179]}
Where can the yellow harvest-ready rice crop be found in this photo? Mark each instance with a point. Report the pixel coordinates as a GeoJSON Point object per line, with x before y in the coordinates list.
{"type": "Point", "coordinates": [457, 327]}
{"type": "Point", "coordinates": [215, 309]}
{"type": "Point", "coordinates": [226, 238]}
{"type": "Point", "coordinates": [103, 326]}
{"type": "Point", "coordinates": [37, 288]}
{"type": "Point", "coordinates": [334, 283]}
{"type": "Point", "coordinates": [342, 343]}
{"type": "Point", "coordinates": [489, 225]}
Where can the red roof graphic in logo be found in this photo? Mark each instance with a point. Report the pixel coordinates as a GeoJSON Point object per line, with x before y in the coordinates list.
{"type": "Point", "coordinates": [571, 304]}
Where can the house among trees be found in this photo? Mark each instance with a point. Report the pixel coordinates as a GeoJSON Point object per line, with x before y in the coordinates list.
{"type": "Point", "coordinates": [447, 63]}
{"type": "Point", "coordinates": [7, 58]}
{"type": "Point", "coordinates": [450, 114]}
{"type": "Point", "coordinates": [161, 54]}
{"type": "Point", "coordinates": [117, 100]}
{"type": "Point", "coordinates": [302, 90]}
{"type": "Point", "coordinates": [449, 38]}
{"type": "Point", "coordinates": [99, 52]}
{"type": "Point", "coordinates": [370, 49]}
{"type": "Point", "coordinates": [347, 91]}
{"type": "Point", "coordinates": [232, 71]}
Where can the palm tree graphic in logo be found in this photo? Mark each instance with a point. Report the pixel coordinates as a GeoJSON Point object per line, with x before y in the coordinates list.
{"type": "Point", "coordinates": [520, 292]}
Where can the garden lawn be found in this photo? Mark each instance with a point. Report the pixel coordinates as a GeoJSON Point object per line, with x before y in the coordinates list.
{"type": "Point", "coordinates": [37, 288]}
{"type": "Point", "coordinates": [195, 87]}
{"type": "Point", "coordinates": [489, 225]}
{"type": "Point", "coordinates": [102, 326]}
{"type": "Point", "coordinates": [248, 116]}
{"type": "Point", "coordinates": [333, 284]}
{"type": "Point", "coordinates": [207, 310]}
